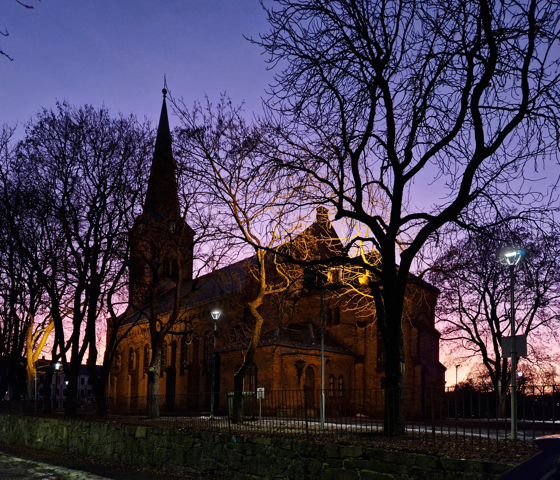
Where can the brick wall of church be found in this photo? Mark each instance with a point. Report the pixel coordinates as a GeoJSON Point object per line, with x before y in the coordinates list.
{"type": "Point", "coordinates": [275, 366]}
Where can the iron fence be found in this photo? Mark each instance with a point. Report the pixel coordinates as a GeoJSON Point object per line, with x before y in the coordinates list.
{"type": "Point", "coordinates": [435, 420]}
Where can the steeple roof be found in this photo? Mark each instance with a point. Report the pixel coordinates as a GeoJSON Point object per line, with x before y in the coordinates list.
{"type": "Point", "coordinates": [162, 199]}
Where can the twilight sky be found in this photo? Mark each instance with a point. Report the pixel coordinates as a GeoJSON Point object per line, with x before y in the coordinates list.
{"type": "Point", "coordinates": [116, 53]}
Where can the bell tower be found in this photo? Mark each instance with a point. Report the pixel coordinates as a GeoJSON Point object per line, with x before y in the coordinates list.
{"type": "Point", "coordinates": [161, 242]}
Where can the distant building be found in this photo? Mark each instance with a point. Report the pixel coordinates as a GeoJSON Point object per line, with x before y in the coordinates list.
{"type": "Point", "coordinates": [59, 384]}
{"type": "Point", "coordinates": [288, 354]}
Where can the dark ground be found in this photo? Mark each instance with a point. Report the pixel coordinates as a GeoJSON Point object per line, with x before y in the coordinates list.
{"type": "Point", "coordinates": [103, 468]}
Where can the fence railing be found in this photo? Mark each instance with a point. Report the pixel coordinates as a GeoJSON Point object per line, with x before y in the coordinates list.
{"type": "Point", "coordinates": [434, 418]}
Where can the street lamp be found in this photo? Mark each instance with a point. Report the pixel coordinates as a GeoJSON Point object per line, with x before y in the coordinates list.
{"type": "Point", "coordinates": [511, 256]}
{"type": "Point", "coordinates": [215, 316]}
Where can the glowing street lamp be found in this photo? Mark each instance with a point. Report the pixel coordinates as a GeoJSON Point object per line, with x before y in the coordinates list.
{"type": "Point", "coordinates": [215, 316]}
{"type": "Point", "coordinates": [511, 256]}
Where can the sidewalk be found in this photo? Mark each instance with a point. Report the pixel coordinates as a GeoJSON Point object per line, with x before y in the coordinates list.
{"type": "Point", "coordinates": [12, 468]}
{"type": "Point", "coordinates": [22, 463]}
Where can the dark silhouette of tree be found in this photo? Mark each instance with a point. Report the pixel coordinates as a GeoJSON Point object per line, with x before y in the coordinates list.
{"type": "Point", "coordinates": [85, 170]}
{"type": "Point", "coordinates": [474, 309]}
{"type": "Point", "coordinates": [374, 100]}
{"type": "Point", "coordinates": [24, 319]}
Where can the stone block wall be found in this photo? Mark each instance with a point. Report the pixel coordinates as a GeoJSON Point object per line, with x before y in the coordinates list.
{"type": "Point", "coordinates": [234, 456]}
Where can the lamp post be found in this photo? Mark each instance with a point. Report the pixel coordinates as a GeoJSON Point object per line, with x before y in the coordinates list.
{"type": "Point", "coordinates": [456, 389]}
{"type": "Point", "coordinates": [322, 407]}
{"type": "Point", "coordinates": [511, 256]}
{"type": "Point", "coordinates": [215, 316]}
{"type": "Point", "coordinates": [330, 281]}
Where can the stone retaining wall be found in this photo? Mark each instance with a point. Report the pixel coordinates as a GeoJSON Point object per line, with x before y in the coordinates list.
{"type": "Point", "coordinates": [235, 456]}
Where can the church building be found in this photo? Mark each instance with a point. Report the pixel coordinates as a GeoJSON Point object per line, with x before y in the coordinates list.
{"type": "Point", "coordinates": [288, 356]}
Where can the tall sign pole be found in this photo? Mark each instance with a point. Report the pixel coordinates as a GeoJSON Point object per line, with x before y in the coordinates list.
{"type": "Point", "coordinates": [513, 358]}
{"type": "Point", "coordinates": [511, 256]}
{"type": "Point", "coordinates": [322, 409]}
{"type": "Point", "coordinates": [215, 316]}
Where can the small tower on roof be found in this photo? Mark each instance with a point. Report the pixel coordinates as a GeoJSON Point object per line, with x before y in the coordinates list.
{"type": "Point", "coordinates": [160, 240]}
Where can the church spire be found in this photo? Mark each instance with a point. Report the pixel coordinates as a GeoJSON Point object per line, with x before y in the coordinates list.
{"type": "Point", "coordinates": [162, 199]}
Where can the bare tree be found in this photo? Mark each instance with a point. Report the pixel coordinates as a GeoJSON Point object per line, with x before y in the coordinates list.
{"type": "Point", "coordinates": [374, 99]}
{"type": "Point", "coordinates": [87, 172]}
{"type": "Point", "coordinates": [474, 310]}
{"type": "Point", "coordinates": [222, 152]}
{"type": "Point", "coordinates": [24, 315]}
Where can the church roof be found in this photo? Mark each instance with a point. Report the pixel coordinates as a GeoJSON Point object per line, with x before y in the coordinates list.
{"type": "Point", "coordinates": [232, 279]}
{"type": "Point", "coordinates": [305, 336]}
{"type": "Point", "coordinates": [213, 286]}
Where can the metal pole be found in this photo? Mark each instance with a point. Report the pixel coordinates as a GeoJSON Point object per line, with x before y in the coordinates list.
{"type": "Point", "coordinates": [213, 370]}
{"type": "Point", "coordinates": [513, 360]}
{"type": "Point", "coordinates": [456, 390]}
{"type": "Point", "coordinates": [322, 407]}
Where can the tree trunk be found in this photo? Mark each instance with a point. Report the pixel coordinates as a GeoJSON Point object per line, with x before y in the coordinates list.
{"type": "Point", "coordinates": [395, 391]}
{"type": "Point", "coordinates": [71, 407]}
{"type": "Point", "coordinates": [389, 303]}
{"type": "Point", "coordinates": [394, 413]}
{"type": "Point", "coordinates": [30, 375]}
{"type": "Point", "coordinates": [47, 401]}
{"type": "Point", "coordinates": [501, 396]}
{"type": "Point", "coordinates": [99, 383]}
{"type": "Point", "coordinates": [237, 412]}
{"type": "Point", "coordinates": [153, 385]}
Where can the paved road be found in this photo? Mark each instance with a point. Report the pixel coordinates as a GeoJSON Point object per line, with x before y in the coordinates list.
{"type": "Point", "coordinates": [14, 468]}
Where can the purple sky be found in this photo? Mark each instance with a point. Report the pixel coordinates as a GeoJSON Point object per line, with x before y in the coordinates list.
{"type": "Point", "coordinates": [116, 53]}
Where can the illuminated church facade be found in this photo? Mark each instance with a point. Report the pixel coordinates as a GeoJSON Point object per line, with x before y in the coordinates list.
{"type": "Point", "coordinates": [288, 356]}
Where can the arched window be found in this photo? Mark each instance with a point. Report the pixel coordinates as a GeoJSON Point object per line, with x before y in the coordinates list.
{"type": "Point", "coordinates": [381, 353]}
{"type": "Point", "coordinates": [331, 385]}
{"type": "Point", "coordinates": [184, 347]}
{"type": "Point", "coordinates": [117, 363]}
{"type": "Point", "coordinates": [237, 333]}
{"type": "Point", "coordinates": [131, 360]}
{"type": "Point", "coordinates": [309, 378]}
{"type": "Point", "coordinates": [251, 378]}
{"type": "Point", "coordinates": [163, 357]}
{"type": "Point", "coordinates": [340, 385]}
{"type": "Point", "coordinates": [336, 316]}
{"type": "Point", "coordinates": [146, 357]}
{"type": "Point", "coordinates": [208, 351]}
